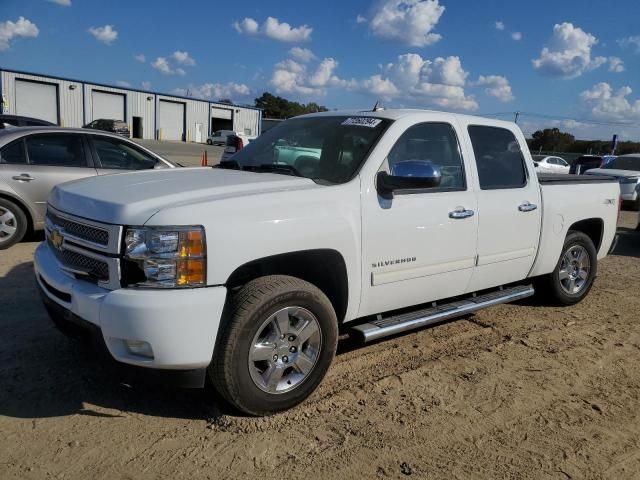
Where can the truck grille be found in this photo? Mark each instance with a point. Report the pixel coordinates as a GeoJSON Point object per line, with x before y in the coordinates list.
{"type": "Point", "coordinates": [79, 230]}
{"type": "Point", "coordinates": [81, 264]}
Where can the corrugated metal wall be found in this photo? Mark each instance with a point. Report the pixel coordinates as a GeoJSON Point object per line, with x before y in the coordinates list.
{"type": "Point", "coordinates": [69, 99]}
{"type": "Point", "coordinates": [72, 113]}
{"type": "Point", "coordinates": [137, 105]}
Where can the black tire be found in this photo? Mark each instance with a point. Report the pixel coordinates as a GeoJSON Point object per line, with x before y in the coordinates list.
{"type": "Point", "coordinates": [209, 142]}
{"type": "Point", "coordinates": [245, 318]}
{"type": "Point", "coordinates": [17, 223]}
{"type": "Point", "coordinates": [549, 288]}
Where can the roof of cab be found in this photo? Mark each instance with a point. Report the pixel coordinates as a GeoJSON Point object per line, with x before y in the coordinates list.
{"type": "Point", "coordinates": [398, 113]}
{"type": "Point", "coordinates": [9, 134]}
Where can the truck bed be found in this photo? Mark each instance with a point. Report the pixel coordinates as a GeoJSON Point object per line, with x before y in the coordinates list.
{"type": "Point", "coordinates": [564, 179]}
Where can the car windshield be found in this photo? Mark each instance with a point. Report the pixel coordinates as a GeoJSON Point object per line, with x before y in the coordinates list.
{"type": "Point", "coordinates": [624, 163]}
{"type": "Point", "coordinates": [327, 149]}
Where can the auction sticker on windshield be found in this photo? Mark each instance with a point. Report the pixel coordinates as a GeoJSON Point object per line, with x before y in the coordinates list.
{"type": "Point", "coordinates": [362, 122]}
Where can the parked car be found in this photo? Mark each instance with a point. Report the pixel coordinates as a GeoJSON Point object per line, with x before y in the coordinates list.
{"type": "Point", "coordinates": [13, 121]}
{"type": "Point", "coordinates": [117, 127]}
{"type": "Point", "coordinates": [550, 164]}
{"type": "Point", "coordinates": [247, 273]}
{"type": "Point", "coordinates": [35, 159]}
{"type": "Point", "coordinates": [626, 169]}
{"type": "Point", "coordinates": [587, 162]}
{"type": "Point", "coordinates": [235, 142]}
{"type": "Point", "coordinates": [219, 137]}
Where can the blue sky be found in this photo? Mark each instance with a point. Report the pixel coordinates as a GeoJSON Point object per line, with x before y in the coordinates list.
{"type": "Point", "coordinates": [577, 62]}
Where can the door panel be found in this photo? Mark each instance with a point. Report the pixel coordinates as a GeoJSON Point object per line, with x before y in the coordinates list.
{"type": "Point", "coordinates": [413, 250]}
{"type": "Point", "coordinates": [52, 159]}
{"type": "Point", "coordinates": [509, 207]}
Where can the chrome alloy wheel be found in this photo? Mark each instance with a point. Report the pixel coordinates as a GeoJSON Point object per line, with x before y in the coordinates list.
{"type": "Point", "coordinates": [284, 350]}
{"type": "Point", "coordinates": [8, 224]}
{"type": "Point", "coordinates": [575, 268]}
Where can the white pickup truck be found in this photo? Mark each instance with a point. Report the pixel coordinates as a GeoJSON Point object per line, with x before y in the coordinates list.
{"type": "Point", "coordinates": [246, 272]}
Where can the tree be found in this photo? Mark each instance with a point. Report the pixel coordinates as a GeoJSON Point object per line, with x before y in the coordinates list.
{"type": "Point", "coordinates": [278, 107]}
{"type": "Point", "coordinates": [552, 140]}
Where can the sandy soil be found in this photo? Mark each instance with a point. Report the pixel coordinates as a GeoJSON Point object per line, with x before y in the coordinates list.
{"type": "Point", "coordinates": [516, 391]}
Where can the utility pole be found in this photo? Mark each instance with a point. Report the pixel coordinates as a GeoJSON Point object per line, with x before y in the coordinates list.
{"type": "Point", "coordinates": [517, 115]}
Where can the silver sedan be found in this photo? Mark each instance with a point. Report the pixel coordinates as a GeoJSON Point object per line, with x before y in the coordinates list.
{"type": "Point", "coordinates": [35, 159]}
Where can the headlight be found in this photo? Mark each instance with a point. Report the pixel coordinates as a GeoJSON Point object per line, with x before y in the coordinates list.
{"type": "Point", "coordinates": [164, 257]}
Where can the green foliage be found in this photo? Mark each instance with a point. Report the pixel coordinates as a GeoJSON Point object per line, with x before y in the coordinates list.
{"type": "Point", "coordinates": [553, 140]}
{"type": "Point", "coordinates": [278, 107]}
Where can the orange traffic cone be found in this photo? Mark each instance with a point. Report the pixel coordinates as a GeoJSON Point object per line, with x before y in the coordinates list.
{"type": "Point", "coordinates": [203, 160]}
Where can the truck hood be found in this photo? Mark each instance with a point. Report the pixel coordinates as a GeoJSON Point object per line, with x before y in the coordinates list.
{"type": "Point", "coordinates": [612, 172]}
{"type": "Point", "coordinates": [132, 198]}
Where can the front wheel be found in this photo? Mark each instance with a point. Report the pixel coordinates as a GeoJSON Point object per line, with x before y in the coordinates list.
{"type": "Point", "coordinates": [278, 340]}
{"type": "Point", "coordinates": [574, 274]}
{"type": "Point", "coordinates": [209, 142]}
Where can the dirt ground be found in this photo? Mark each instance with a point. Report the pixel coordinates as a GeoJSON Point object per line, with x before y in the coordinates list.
{"type": "Point", "coordinates": [516, 391]}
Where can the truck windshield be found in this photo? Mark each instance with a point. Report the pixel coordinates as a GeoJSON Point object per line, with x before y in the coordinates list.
{"type": "Point", "coordinates": [624, 163]}
{"type": "Point", "coordinates": [328, 150]}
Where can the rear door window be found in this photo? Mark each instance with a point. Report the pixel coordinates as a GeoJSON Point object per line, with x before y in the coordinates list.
{"type": "Point", "coordinates": [58, 150]}
{"type": "Point", "coordinates": [119, 155]}
{"type": "Point", "coordinates": [13, 153]}
{"type": "Point", "coordinates": [498, 157]}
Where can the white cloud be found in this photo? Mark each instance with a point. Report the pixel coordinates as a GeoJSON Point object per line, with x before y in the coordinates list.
{"type": "Point", "coordinates": [302, 54]}
{"type": "Point", "coordinates": [499, 25]}
{"type": "Point", "coordinates": [290, 76]}
{"type": "Point", "coordinates": [11, 30]}
{"type": "Point", "coordinates": [616, 65]}
{"type": "Point", "coordinates": [215, 91]}
{"type": "Point", "coordinates": [146, 85]}
{"type": "Point", "coordinates": [140, 57]}
{"type": "Point", "coordinates": [122, 83]}
{"type": "Point", "coordinates": [605, 104]}
{"type": "Point", "coordinates": [183, 58]}
{"type": "Point", "coordinates": [64, 3]}
{"type": "Point", "coordinates": [495, 86]}
{"type": "Point", "coordinates": [181, 72]}
{"type": "Point", "coordinates": [105, 34]}
{"type": "Point", "coordinates": [568, 53]}
{"type": "Point", "coordinates": [440, 82]}
{"type": "Point", "coordinates": [361, 19]}
{"type": "Point", "coordinates": [517, 36]}
{"type": "Point", "coordinates": [408, 21]}
{"type": "Point", "coordinates": [274, 29]}
{"type": "Point", "coordinates": [631, 42]}
{"type": "Point", "coordinates": [162, 65]}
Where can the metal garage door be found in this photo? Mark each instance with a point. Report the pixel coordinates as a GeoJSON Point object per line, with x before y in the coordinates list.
{"type": "Point", "coordinates": [38, 100]}
{"type": "Point", "coordinates": [223, 113]}
{"type": "Point", "coordinates": [172, 120]}
{"type": "Point", "coordinates": [107, 105]}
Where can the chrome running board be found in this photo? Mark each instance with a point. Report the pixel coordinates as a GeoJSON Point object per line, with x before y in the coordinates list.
{"type": "Point", "coordinates": [383, 327]}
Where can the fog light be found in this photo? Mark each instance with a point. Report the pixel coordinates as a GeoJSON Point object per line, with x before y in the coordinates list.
{"type": "Point", "coordinates": [138, 347]}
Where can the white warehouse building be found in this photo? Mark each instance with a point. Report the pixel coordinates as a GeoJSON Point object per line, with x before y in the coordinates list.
{"type": "Point", "coordinates": [150, 115]}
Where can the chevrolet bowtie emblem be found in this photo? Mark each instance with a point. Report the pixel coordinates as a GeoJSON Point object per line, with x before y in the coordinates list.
{"type": "Point", "coordinates": [56, 239]}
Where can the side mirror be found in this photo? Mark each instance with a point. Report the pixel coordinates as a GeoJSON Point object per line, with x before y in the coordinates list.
{"type": "Point", "coordinates": [406, 176]}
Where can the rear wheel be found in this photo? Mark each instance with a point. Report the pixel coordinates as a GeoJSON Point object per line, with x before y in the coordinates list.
{"type": "Point", "coordinates": [574, 274]}
{"type": "Point", "coordinates": [209, 142]}
{"type": "Point", "coordinates": [279, 339]}
{"type": "Point", "coordinates": [13, 223]}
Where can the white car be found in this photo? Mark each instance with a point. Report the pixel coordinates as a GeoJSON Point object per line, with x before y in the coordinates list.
{"type": "Point", "coordinates": [219, 137]}
{"type": "Point", "coordinates": [626, 169]}
{"type": "Point", "coordinates": [234, 144]}
{"type": "Point", "coordinates": [375, 223]}
{"type": "Point", "coordinates": [550, 164]}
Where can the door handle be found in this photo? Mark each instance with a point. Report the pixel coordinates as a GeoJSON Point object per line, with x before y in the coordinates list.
{"type": "Point", "coordinates": [460, 213]}
{"type": "Point", "coordinates": [527, 207]}
{"type": "Point", "coordinates": [23, 177]}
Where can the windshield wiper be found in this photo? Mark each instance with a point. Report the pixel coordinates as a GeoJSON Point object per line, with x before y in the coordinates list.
{"type": "Point", "coordinates": [229, 164]}
{"type": "Point", "coordinates": [275, 168]}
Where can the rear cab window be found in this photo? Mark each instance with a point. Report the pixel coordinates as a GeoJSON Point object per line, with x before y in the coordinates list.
{"type": "Point", "coordinates": [499, 158]}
